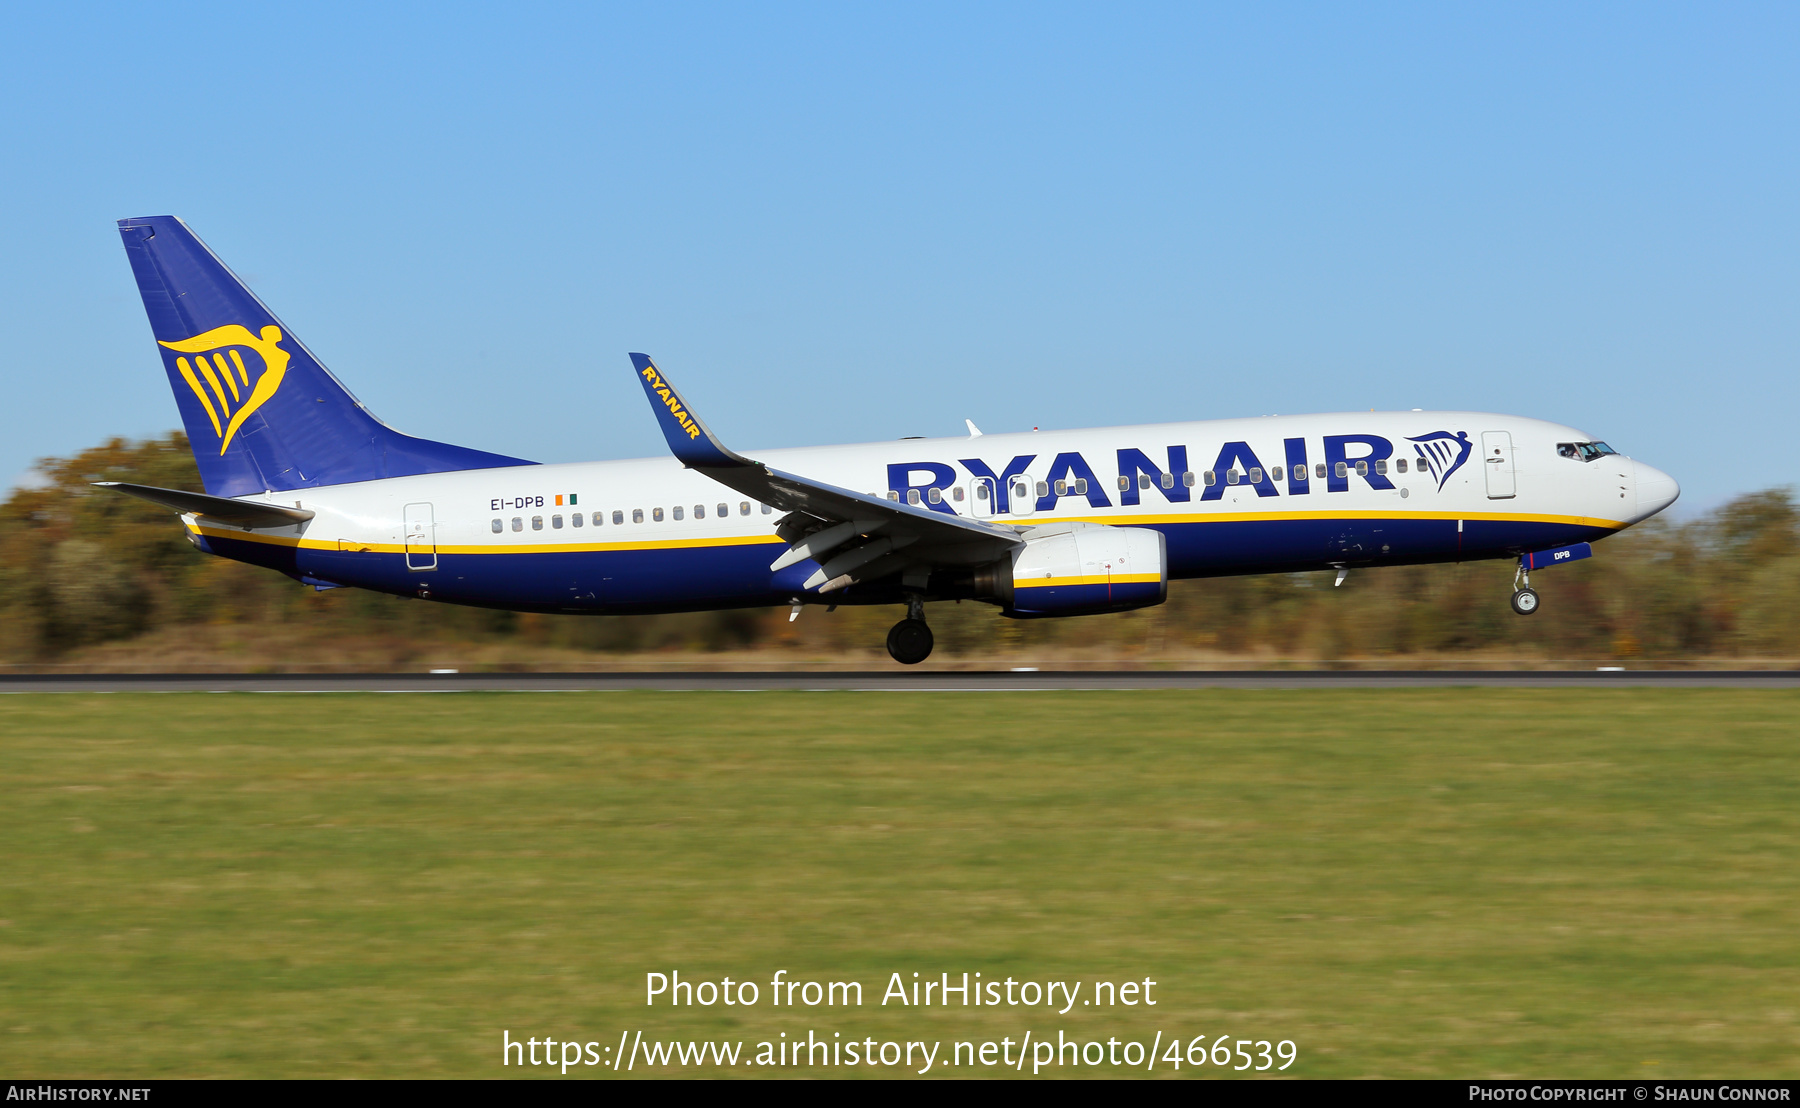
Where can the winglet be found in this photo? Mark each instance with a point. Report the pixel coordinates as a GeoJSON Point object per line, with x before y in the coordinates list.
{"type": "Point", "coordinates": [692, 444]}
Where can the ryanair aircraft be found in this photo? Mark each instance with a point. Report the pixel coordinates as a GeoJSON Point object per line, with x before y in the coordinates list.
{"type": "Point", "coordinates": [302, 479]}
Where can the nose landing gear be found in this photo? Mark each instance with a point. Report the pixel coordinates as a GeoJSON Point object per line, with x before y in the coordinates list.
{"type": "Point", "coordinates": [1524, 597]}
{"type": "Point", "coordinates": [910, 641]}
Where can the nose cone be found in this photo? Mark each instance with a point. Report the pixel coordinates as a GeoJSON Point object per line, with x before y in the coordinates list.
{"type": "Point", "coordinates": [1656, 490]}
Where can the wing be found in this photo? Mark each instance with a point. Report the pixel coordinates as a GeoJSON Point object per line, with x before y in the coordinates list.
{"type": "Point", "coordinates": [238, 513]}
{"type": "Point", "coordinates": [853, 536]}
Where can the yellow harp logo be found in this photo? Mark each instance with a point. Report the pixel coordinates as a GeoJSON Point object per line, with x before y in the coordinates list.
{"type": "Point", "coordinates": [228, 394]}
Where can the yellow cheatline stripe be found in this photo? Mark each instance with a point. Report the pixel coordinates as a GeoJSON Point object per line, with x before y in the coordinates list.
{"type": "Point", "coordinates": [206, 369]}
{"type": "Point", "coordinates": [546, 548]}
{"type": "Point", "coordinates": [772, 540]}
{"type": "Point", "coordinates": [1092, 579]}
{"type": "Point", "coordinates": [194, 383]}
{"type": "Point", "coordinates": [225, 372]}
{"type": "Point", "coordinates": [238, 360]}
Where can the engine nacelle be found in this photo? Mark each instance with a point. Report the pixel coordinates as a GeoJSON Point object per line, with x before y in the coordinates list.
{"type": "Point", "coordinates": [1078, 569]}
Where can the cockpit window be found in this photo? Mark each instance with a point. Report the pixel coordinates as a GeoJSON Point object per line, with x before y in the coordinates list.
{"type": "Point", "coordinates": [1584, 451]}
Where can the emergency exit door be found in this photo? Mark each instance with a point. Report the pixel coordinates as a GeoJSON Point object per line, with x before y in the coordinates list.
{"type": "Point", "coordinates": [1019, 500]}
{"type": "Point", "coordinates": [981, 495]}
{"type": "Point", "coordinates": [421, 540]}
{"type": "Point", "coordinates": [1497, 459]}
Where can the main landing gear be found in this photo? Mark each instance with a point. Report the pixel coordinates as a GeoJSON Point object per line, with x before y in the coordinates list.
{"type": "Point", "coordinates": [1524, 597]}
{"type": "Point", "coordinates": [910, 640]}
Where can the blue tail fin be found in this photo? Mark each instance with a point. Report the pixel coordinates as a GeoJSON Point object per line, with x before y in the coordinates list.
{"type": "Point", "coordinates": [260, 411]}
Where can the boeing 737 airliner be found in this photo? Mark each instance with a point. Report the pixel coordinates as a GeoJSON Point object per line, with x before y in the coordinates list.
{"type": "Point", "coordinates": [300, 478]}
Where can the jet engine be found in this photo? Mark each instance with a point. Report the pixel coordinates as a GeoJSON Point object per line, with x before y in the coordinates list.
{"type": "Point", "coordinates": [1078, 569]}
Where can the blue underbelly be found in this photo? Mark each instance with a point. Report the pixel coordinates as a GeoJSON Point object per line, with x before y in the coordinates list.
{"type": "Point", "coordinates": [705, 577]}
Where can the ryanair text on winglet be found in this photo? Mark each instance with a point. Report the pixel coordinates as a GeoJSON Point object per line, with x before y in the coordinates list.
{"type": "Point", "coordinates": [668, 397]}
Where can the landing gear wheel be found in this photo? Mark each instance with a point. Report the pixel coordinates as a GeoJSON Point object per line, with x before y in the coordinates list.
{"type": "Point", "coordinates": [910, 642]}
{"type": "Point", "coordinates": [1525, 602]}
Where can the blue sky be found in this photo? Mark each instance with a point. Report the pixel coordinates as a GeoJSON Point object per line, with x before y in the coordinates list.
{"type": "Point", "coordinates": [845, 222]}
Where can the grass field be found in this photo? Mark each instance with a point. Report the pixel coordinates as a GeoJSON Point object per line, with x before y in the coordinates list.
{"type": "Point", "coordinates": [1404, 883]}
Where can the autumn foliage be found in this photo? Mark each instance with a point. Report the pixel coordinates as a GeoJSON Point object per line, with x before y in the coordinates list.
{"type": "Point", "coordinates": [86, 573]}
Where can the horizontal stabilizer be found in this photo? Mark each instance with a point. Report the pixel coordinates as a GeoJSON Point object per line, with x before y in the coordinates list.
{"type": "Point", "coordinates": [239, 513]}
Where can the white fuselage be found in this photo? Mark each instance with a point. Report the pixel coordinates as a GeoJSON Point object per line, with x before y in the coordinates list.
{"type": "Point", "coordinates": [1232, 496]}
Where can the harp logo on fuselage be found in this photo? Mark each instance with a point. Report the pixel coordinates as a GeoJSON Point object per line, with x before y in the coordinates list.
{"type": "Point", "coordinates": [1442, 453]}
{"type": "Point", "coordinates": [230, 388]}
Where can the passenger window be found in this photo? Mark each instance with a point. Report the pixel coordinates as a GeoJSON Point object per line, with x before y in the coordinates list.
{"type": "Point", "coordinates": [893, 495]}
{"type": "Point", "coordinates": [1342, 470]}
{"type": "Point", "coordinates": [1168, 480]}
{"type": "Point", "coordinates": [656, 515]}
{"type": "Point", "coordinates": [1212, 478]}
{"type": "Point", "coordinates": [1124, 483]}
{"type": "Point", "coordinates": [619, 518]}
{"type": "Point", "coordinates": [744, 508]}
{"type": "Point", "coordinates": [1300, 473]}
{"type": "Point", "coordinates": [699, 511]}
{"type": "Point", "coordinates": [912, 496]}
{"type": "Point", "coordinates": [1319, 470]}
{"type": "Point", "coordinates": [556, 523]}
{"type": "Point", "coordinates": [498, 527]}
{"type": "Point", "coordinates": [576, 520]}
{"type": "Point", "coordinates": [637, 515]}
{"type": "Point", "coordinates": [935, 495]}
{"type": "Point", "coordinates": [956, 494]}
{"type": "Point", "coordinates": [767, 510]}
{"type": "Point", "coordinates": [1381, 465]}
{"type": "Point", "coordinates": [1256, 475]}
{"type": "Point", "coordinates": [981, 491]}
{"type": "Point", "coordinates": [1143, 480]}
{"type": "Point", "coordinates": [1187, 478]}
{"type": "Point", "coordinates": [1021, 491]}
{"type": "Point", "coordinates": [1362, 469]}
{"type": "Point", "coordinates": [1062, 488]}
{"type": "Point", "coordinates": [1277, 473]}
{"type": "Point", "coordinates": [678, 512]}
{"type": "Point", "coordinates": [724, 511]}
{"type": "Point", "coordinates": [1043, 488]}
{"type": "Point", "coordinates": [537, 523]}
{"type": "Point", "coordinates": [1400, 464]}
{"type": "Point", "coordinates": [518, 523]}
{"type": "Point", "coordinates": [1231, 477]}
{"type": "Point", "coordinates": [1081, 486]}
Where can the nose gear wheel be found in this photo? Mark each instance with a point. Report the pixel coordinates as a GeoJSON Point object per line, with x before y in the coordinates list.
{"type": "Point", "coordinates": [1524, 597]}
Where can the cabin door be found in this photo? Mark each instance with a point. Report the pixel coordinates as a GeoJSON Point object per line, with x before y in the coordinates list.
{"type": "Point", "coordinates": [1019, 499]}
{"type": "Point", "coordinates": [421, 538]}
{"type": "Point", "coordinates": [981, 497]}
{"type": "Point", "coordinates": [1497, 459]}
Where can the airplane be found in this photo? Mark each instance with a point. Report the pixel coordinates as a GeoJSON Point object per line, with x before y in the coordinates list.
{"type": "Point", "coordinates": [302, 479]}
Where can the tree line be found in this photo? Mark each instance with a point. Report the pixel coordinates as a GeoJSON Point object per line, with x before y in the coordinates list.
{"type": "Point", "coordinates": [84, 571]}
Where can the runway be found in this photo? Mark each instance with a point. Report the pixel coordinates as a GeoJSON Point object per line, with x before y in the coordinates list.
{"type": "Point", "coordinates": [897, 680]}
